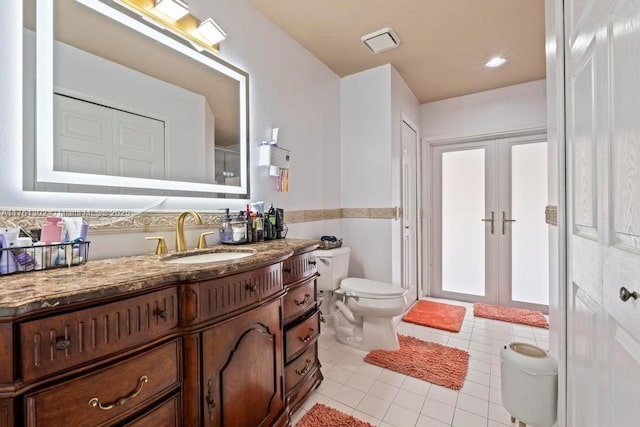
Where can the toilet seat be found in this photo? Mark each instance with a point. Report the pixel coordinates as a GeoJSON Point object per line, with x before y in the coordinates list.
{"type": "Point", "coordinates": [372, 289]}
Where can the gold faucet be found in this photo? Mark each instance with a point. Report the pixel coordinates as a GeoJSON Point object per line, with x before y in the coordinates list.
{"type": "Point", "coordinates": [181, 244]}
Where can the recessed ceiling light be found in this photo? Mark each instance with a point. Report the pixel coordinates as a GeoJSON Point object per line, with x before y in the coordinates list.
{"type": "Point", "coordinates": [495, 62]}
{"type": "Point", "coordinates": [381, 40]}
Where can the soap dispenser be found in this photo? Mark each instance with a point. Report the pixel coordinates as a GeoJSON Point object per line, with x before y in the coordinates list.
{"type": "Point", "coordinates": [52, 230]}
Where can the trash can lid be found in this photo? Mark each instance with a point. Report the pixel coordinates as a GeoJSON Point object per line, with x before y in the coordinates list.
{"type": "Point", "coordinates": [528, 349]}
{"type": "Point", "coordinates": [529, 359]}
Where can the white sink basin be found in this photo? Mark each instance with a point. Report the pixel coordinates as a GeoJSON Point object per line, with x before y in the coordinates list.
{"type": "Point", "coordinates": [210, 257]}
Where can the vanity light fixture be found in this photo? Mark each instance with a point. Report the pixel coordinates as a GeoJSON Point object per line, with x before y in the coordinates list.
{"type": "Point", "coordinates": [174, 16]}
{"type": "Point", "coordinates": [210, 32]}
{"type": "Point", "coordinates": [174, 9]}
{"type": "Point", "coordinates": [495, 62]}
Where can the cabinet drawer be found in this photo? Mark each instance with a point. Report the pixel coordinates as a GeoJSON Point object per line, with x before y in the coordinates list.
{"type": "Point", "coordinates": [59, 342]}
{"type": "Point", "coordinates": [110, 394]}
{"type": "Point", "coordinates": [300, 367]}
{"type": "Point", "coordinates": [298, 267]}
{"type": "Point", "coordinates": [296, 398]}
{"type": "Point", "coordinates": [301, 336]}
{"type": "Point", "coordinates": [222, 296]}
{"type": "Point", "coordinates": [166, 414]}
{"type": "Point", "coordinates": [299, 299]}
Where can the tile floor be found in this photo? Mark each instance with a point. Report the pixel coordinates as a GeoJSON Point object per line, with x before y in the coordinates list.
{"type": "Point", "coordinates": [386, 398]}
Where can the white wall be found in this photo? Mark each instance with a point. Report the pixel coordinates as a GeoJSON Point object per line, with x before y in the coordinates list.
{"type": "Point", "coordinates": [372, 106]}
{"type": "Point", "coordinates": [289, 88]}
{"type": "Point", "coordinates": [516, 107]}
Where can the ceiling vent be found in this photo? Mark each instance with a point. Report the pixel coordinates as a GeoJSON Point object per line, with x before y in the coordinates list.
{"type": "Point", "coordinates": [381, 40]}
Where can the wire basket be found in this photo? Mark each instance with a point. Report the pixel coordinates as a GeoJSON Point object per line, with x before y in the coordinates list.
{"type": "Point", "coordinates": [42, 257]}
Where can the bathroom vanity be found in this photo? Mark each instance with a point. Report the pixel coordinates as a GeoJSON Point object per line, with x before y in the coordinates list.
{"type": "Point", "coordinates": [140, 341]}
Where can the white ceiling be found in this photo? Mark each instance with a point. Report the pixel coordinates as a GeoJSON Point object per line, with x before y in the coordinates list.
{"type": "Point", "coordinates": [444, 44]}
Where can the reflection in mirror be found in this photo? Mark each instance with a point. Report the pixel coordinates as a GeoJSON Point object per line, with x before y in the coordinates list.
{"type": "Point", "coordinates": [128, 108]}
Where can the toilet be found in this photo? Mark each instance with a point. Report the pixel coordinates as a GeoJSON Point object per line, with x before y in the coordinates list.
{"type": "Point", "coordinates": [361, 311]}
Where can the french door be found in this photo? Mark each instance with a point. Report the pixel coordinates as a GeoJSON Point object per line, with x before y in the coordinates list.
{"type": "Point", "coordinates": [490, 239]}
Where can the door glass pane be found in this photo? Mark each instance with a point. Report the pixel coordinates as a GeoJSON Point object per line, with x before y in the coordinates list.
{"type": "Point", "coordinates": [463, 234]}
{"type": "Point", "coordinates": [529, 238]}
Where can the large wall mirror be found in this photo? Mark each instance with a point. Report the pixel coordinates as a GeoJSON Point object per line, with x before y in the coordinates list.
{"type": "Point", "coordinates": [116, 104]}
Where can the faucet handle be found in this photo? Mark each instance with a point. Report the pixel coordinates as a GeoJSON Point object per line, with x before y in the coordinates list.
{"type": "Point", "coordinates": [202, 241]}
{"type": "Point", "coordinates": [161, 249]}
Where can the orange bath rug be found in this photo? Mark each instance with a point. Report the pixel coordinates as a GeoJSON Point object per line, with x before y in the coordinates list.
{"type": "Point", "coordinates": [513, 315]}
{"type": "Point", "coordinates": [436, 315]}
{"type": "Point", "coordinates": [326, 416]}
{"type": "Point", "coordinates": [429, 361]}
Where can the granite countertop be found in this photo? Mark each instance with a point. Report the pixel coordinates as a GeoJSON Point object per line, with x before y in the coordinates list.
{"type": "Point", "coordinates": [28, 292]}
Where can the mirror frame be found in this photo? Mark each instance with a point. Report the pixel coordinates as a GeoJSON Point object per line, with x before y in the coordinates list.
{"type": "Point", "coordinates": [45, 172]}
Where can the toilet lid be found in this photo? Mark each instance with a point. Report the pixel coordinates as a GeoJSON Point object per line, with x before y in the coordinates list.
{"type": "Point", "coordinates": [371, 289]}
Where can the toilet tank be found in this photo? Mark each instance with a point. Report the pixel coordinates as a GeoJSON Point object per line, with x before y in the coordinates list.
{"type": "Point", "coordinates": [333, 266]}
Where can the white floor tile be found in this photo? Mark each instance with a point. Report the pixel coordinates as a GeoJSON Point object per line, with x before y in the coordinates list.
{"type": "Point", "coordinates": [338, 374]}
{"type": "Point", "coordinates": [392, 378]}
{"type": "Point", "coordinates": [328, 387]}
{"type": "Point", "coordinates": [383, 391]}
{"type": "Point", "coordinates": [401, 417]}
{"type": "Point", "coordinates": [389, 399]}
{"type": "Point", "coordinates": [425, 421]}
{"type": "Point", "coordinates": [360, 382]}
{"type": "Point", "coordinates": [416, 385]}
{"type": "Point", "coordinates": [348, 396]}
{"type": "Point", "coordinates": [438, 410]}
{"type": "Point", "coordinates": [443, 394]}
{"type": "Point", "coordinates": [473, 404]}
{"type": "Point", "coordinates": [476, 390]}
{"type": "Point", "coordinates": [463, 418]}
{"type": "Point", "coordinates": [373, 406]}
{"type": "Point", "coordinates": [409, 400]}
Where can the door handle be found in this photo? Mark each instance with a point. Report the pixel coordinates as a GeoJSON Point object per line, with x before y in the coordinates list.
{"type": "Point", "coordinates": [625, 294]}
{"type": "Point", "coordinates": [489, 220]}
{"type": "Point", "coordinates": [505, 220]}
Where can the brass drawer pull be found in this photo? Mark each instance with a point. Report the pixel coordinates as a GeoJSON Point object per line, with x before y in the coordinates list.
{"type": "Point", "coordinates": [312, 262]}
{"type": "Point", "coordinates": [305, 368]}
{"type": "Point", "coordinates": [251, 287]}
{"type": "Point", "coordinates": [304, 301]}
{"type": "Point", "coordinates": [308, 337]}
{"type": "Point", "coordinates": [63, 344]}
{"type": "Point", "coordinates": [94, 401]}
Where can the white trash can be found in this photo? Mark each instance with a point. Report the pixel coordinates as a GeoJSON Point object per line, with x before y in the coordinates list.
{"type": "Point", "coordinates": [529, 378]}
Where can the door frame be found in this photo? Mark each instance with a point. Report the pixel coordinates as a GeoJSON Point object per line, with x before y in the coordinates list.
{"type": "Point", "coordinates": [429, 220]}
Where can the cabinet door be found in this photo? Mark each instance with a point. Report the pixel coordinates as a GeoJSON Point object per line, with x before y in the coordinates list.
{"type": "Point", "coordinates": [242, 369]}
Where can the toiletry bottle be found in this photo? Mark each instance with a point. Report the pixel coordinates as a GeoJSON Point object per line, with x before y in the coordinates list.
{"type": "Point", "coordinates": [52, 230]}
{"type": "Point", "coordinates": [260, 228]}
{"type": "Point", "coordinates": [249, 225]}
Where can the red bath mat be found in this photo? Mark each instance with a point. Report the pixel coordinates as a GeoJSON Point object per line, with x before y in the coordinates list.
{"type": "Point", "coordinates": [326, 416]}
{"type": "Point", "coordinates": [436, 315]}
{"type": "Point", "coordinates": [429, 361]}
{"type": "Point", "coordinates": [513, 315]}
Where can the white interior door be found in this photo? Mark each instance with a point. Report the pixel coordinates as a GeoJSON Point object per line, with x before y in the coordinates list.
{"type": "Point", "coordinates": [410, 212]}
{"type": "Point", "coordinates": [491, 243]}
{"type": "Point", "coordinates": [602, 41]}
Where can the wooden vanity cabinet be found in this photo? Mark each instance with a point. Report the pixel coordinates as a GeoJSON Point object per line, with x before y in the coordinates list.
{"type": "Point", "coordinates": [301, 328]}
{"type": "Point", "coordinates": [236, 350]}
